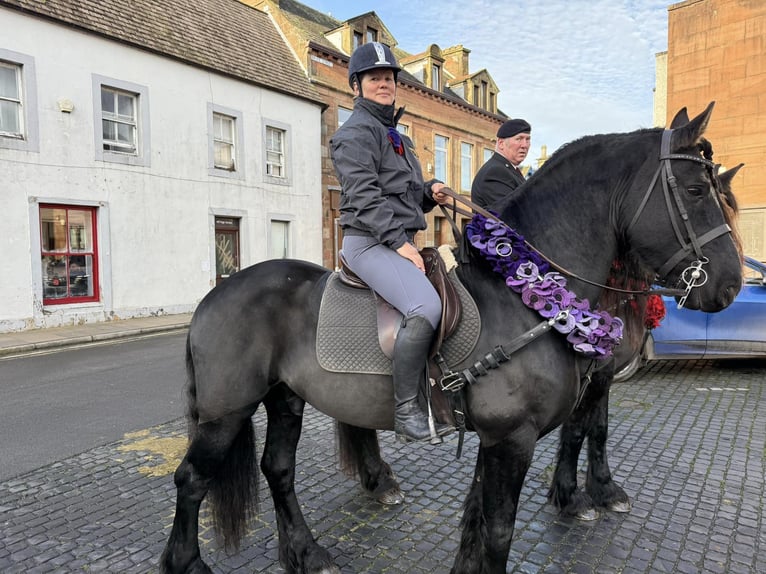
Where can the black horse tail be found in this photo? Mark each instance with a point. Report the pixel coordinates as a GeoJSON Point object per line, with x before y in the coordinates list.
{"type": "Point", "coordinates": [233, 490]}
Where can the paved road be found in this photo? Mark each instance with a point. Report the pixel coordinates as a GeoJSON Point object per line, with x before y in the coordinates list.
{"type": "Point", "coordinates": [59, 404]}
{"type": "Point", "coordinates": [687, 443]}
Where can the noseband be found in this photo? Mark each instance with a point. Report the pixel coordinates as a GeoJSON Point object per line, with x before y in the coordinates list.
{"type": "Point", "coordinates": [694, 275]}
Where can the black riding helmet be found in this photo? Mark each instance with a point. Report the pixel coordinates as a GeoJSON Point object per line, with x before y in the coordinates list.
{"type": "Point", "coordinates": [371, 56]}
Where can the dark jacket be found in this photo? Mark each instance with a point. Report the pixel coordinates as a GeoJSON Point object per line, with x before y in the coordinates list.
{"type": "Point", "coordinates": [494, 182]}
{"type": "Point", "coordinates": [383, 194]}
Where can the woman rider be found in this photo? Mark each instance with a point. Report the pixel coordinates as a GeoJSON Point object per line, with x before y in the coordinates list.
{"type": "Point", "coordinates": [382, 207]}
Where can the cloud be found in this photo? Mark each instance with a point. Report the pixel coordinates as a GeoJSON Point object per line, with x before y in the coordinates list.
{"type": "Point", "coordinates": [570, 67]}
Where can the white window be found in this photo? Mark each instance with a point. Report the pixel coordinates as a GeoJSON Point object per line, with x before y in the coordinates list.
{"type": "Point", "coordinates": [121, 121]}
{"type": "Point", "coordinates": [224, 152]}
{"type": "Point", "coordinates": [441, 148]}
{"type": "Point", "coordinates": [225, 142]}
{"type": "Point", "coordinates": [18, 102]}
{"type": "Point", "coordinates": [436, 81]}
{"type": "Point", "coordinates": [403, 129]}
{"type": "Point", "coordinates": [487, 154]}
{"type": "Point", "coordinates": [11, 118]}
{"type": "Point", "coordinates": [466, 166]}
{"type": "Point", "coordinates": [343, 115]}
{"type": "Point", "coordinates": [279, 239]}
{"type": "Point", "coordinates": [275, 152]}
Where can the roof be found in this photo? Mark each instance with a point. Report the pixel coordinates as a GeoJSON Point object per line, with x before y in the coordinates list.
{"type": "Point", "coordinates": [224, 36]}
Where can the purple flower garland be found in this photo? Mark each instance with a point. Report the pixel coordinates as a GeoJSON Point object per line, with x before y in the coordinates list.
{"type": "Point", "coordinates": [592, 333]}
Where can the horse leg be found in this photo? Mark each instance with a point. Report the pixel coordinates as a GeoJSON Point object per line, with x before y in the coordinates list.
{"type": "Point", "coordinates": [298, 551]}
{"type": "Point", "coordinates": [564, 492]}
{"type": "Point", "coordinates": [220, 458]}
{"type": "Point", "coordinates": [491, 505]}
{"type": "Point", "coordinates": [359, 455]}
{"type": "Point", "coordinates": [604, 492]}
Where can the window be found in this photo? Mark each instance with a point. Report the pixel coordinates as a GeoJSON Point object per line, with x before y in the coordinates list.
{"type": "Point", "coordinates": [225, 146]}
{"type": "Point", "coordinates": [223, 142]}
{"type": "Point", "coordinates": [403, 129]}
{"type": "Point", "coordinates": [441, 147]}
{"type": "Point", "coordinates": [18, 102]}
{"type": "Point", "coordinates": [276, 148]}
{"type": "Point", "coordinates": [279, 239]}
{"type": "Point", "coordinates": [68, 254]}
{"type": "Point", "coordinates": [436, 77]}
{"type": "Point", "coordinates": [487, 154]}
{"type": "Point", "coordinates": [358, 40]}
{"type": "Point", "coordinates": [372, 35]}
{"type": "Point", "coordinates": [491, 102]}
{"type": "Point", "coordinates": [121, 122]}
{"type": "Point", "coordinates": [476, 97]}
{"type": "Point", "coordinates": [343, 115]}
{"type": "Point", "coordinates": [466, 166]}
{"type": "Point", "coordinates": [11, 118]}
{"type": "Point", "coordinates": [483, 95]}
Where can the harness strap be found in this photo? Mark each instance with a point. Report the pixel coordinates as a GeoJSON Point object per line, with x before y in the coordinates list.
{"type": "Point", "coordinates": [722, 229]}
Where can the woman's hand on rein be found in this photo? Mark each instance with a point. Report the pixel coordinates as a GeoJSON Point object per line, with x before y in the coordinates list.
{"type": "Point", "coordinates": [437, 195]}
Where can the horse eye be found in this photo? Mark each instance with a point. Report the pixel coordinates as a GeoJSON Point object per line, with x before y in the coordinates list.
{"type": "Point", "coordinates": [695, 190]}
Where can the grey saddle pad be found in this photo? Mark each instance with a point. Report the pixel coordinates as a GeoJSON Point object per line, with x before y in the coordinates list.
{"type": "Point", "coordinates": [347, 335]}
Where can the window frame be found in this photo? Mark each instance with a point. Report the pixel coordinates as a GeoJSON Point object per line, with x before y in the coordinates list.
{"type": "Point", "coordinates": [68, 253]}
{"type": "Point", "coordinates": [370, 35]}
{"type": "Point", "coordinates": [238, 144]}
{"type": "Point", "coordinates": [466, 175]}
{"type": "Point", "coordinates": [286, 177]}
{"type": "Point", "coordinates": [288, 221]}
{"type": "Point", "coordinates": [142, 156]}
{"type": "Point", "coordinates": [436, 75]}
{"type": "Point", "coordinates": [28, 139]}
{"type": "Point", "coordinates": [437, 151]}
{"type": "Point", "coordinates": [347, 112]}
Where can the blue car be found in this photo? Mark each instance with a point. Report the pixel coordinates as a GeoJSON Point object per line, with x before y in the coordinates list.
{"type": "Point", "coordinates": [739, 331]}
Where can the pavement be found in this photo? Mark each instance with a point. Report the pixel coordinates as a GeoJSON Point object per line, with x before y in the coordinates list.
{"type": "Point", "coordinates": [43, 340]}
{"type": "Point", "coordinates": [687, 442]}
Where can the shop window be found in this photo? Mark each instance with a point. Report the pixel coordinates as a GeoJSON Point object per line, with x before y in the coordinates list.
{"type": "Point", "coordinates": [68, 254]}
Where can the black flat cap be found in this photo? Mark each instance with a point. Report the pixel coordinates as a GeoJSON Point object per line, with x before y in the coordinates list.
{"type": "Point", "coordinates": [513, 127]}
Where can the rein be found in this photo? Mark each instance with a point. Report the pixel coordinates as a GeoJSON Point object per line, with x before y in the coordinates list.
{"type": "Point", "coordinates": [491, 216]}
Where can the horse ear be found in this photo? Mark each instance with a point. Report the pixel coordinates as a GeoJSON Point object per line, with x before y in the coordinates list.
{"type": "Point", "coordinates": [689, 135]}
{"type": "Point", "coordinates": [729, 174]}
{"type": "Point", "coordinates": [681, 119]}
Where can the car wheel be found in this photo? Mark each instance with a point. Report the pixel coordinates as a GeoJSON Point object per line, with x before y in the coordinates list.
{"type": "Point", "coordinates": [630, 369]}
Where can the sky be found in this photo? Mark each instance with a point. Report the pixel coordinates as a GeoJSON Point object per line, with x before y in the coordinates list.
{"type": "Point", "coordinates": [569, 67]}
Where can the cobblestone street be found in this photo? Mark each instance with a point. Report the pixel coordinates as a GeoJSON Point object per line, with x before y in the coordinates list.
{"type": "Point", "coordinates": [687, 442]}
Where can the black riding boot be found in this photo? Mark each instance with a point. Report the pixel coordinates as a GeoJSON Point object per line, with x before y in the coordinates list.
{"type": "Point", "coordinates": [410, 353]}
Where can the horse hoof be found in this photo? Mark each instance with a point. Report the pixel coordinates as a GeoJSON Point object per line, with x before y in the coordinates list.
{"type": "Point", "coordinates": [588, 515]}
{"type": "Point", "coordinates": [621, 507]}
{"type": "Point", "coordinates": [391, 497]}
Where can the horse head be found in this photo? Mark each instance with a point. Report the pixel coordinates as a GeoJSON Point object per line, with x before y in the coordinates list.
{"type": "Point", "coordinates": [681, 223]}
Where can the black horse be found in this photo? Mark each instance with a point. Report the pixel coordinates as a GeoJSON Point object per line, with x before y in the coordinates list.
{"type": "Point", "coordinates": [649, 196]}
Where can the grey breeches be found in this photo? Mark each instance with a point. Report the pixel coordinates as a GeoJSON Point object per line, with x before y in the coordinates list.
{"type": "Point", "coordinates": [393, 277]}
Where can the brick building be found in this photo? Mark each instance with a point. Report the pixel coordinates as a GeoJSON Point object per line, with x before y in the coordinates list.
{"type": "Point", "coordinates": [717, 51]}
{"type": "Point", "coordinates": [452, 115]}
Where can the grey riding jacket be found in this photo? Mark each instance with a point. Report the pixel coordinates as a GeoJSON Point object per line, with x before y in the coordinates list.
{"type": "Point", "coordinates": [383, 193]}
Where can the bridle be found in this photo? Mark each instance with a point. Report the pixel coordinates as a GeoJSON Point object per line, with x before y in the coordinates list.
{"type": "Point", "coordinates": [694, 275]}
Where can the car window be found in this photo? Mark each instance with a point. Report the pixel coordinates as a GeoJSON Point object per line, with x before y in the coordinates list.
{"type": "Point", "coordinates": [752, 276]}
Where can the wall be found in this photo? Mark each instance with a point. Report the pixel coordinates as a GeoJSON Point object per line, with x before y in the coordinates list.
{"type": "Point", "coordinates": [717, 51]}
